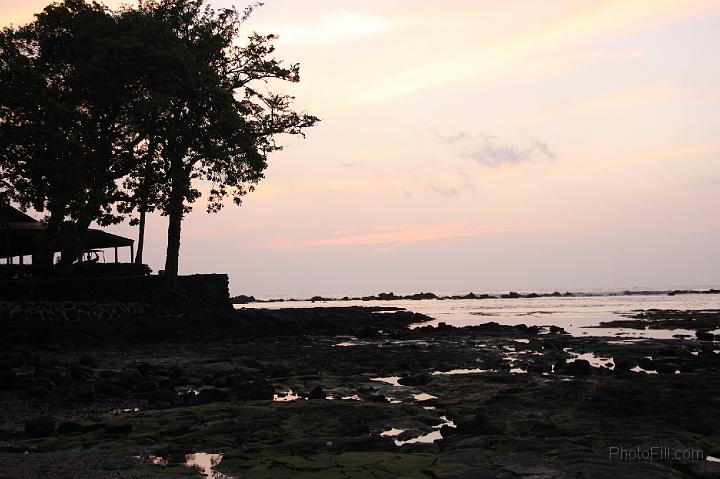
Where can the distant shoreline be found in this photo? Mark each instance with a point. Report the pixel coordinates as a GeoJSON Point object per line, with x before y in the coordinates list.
{"type": "Point", "coordinates": [244, 299]}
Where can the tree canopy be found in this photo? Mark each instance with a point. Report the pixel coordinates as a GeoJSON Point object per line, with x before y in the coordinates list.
{"type": "Point", "coordinates": [108, 113]}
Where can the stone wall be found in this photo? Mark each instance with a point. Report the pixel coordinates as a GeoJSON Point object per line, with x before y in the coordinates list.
{"type": "Point", "coordinates": [111, 297]}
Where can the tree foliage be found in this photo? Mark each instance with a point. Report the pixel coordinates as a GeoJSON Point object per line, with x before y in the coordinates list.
{"type": "Point", "coordinates": [106, 114]}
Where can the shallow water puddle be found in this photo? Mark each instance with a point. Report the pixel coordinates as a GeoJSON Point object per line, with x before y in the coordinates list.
{"type": "Point", "coordinates": [286, 397]}
{"type": "Point", "coordinates": [638, 369]}
{"type": "Point", "coordinates": [424, 397]}
{"type": "Point", "coordinates": [205, 462]}
{"type": "Point", "coordinates": [393, 380]}
{"type": "Point", "coordinates": [425, 438]}
{"type": "Point", "coordinates": [453, 372]}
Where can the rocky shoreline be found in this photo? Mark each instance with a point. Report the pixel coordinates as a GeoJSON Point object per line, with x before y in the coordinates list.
{"type": "Point", "coordinates": [246, 299]}
{"type": "Point", "coordinates": [353, 392]}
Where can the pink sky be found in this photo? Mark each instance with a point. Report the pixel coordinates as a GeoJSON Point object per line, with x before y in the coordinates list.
{"type": "Point", "coordinates": [479, 145]}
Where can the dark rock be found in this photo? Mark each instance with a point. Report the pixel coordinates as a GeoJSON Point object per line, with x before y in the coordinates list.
{"type": "Point", "coordinates": [557, 330]}
{"type": "Point", "coordinates": [447, 431]}
{"type": "Point", "coordinates": [88, 361]}
{"type": "Point", "coordinates": [704, 336]}
{"type": "Point", "coordinates": [666, 368]}
{"type": "Point", "coordinates": [162, 395]}
{"type": "Point", "coordinates": [39, 427]}
{"type": "Point", "coordinates": [108, 390]}
{"type": "Point", "coordinates": [480, 424]}
{"type": "Point", "coordinates": [119, 426]}
{"type": "Point", "coordinates": [417, 379]}
{"type": "Point", "coordinates": [368, 332]}
{"type": "Point", "coordinates": [579, 367]}
{"type": "Point", "coordinates": [79, 371]}
{"type": "Point", "coordinates": [146, 386]}
{"type": "Point", "coordinates": [623, 364]}
{"type": "Point", "coordinates": [317, 393]}
{"type": "Point", "coordinates": [69, 427]}
{"type": "Point", "coordinates": [47, 383]}
{"type": "Point", "coordinates": [37, 391]}
{"type": "Point", "coordinates": [7, 380]}
{"type": "Point", "coordinates": [242, 299]}
{"type": "Point", "coordinates": [258, 390]}
{"type": "Point", "coordinates": [85, 393]}
{"type": "Point", "coordinates": [213, 394]}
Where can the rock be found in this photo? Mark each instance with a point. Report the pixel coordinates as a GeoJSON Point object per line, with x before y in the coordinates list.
{"type": "Point", "coordinates": [623, 364]}
{"type": "Point", "coordinates": [258, 390]}
{"type": "Point", "coordinates": [557, 329]}
{"type": "Point", "coordinates": [480, 424]}
{"type": "Point", "coordinates": [447, 431]}
{"type": "Point", "coordinates": [68, 427]}
{"type": "Point", "coordinates": [47, 383]}
{"type": "Point", "coordinates": [39, 427]}
{"type": "Point", "coordinates": [579, 367]}
{"type": "Point", "coordinates": [242, 299]}
{"type": "Point", "coordinates": [666, 368]}
{"type": "Point", "coordinates": [317, 393]}
{"type": "Point", "coordinates": [108, 390]}
{"type": "Point", "coordinates": [119, 426]}
{"type": "Point", "coordinates": [146, 386]}
{"type": "Point", "coordinates": [368, 332]}
{"type": "Point", "coordinates": [79, 371]}
{"type": "Point", "coordinates": [37, 391]}
{"type": "Point", "coordinates": [88, 361]}
{"type": "Point", "coordinates": [7, 380]}
{"type": "Point", "coordinates": [213, 394]}
{"type": "Point", "coordinates": [704, 336]}
{"type": "Point", "coordinates": [162, 395]}
{"type": "Point", "coordinates": [85, 393]}
{"type": "Point", "coordinates": [417, 379]}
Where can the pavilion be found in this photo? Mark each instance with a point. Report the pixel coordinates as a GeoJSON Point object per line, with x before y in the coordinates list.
{"type": "Point", "coordinates": [18, 234]}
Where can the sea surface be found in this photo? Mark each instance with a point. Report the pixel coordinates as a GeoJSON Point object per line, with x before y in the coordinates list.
{"type": "Point", "coordinates": [574, 314]}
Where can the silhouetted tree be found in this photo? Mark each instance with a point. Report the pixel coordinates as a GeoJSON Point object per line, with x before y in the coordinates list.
{"type": "Point", "coordinates": [220, 124]}
{"type": "Point", "coordinates": [73, 115]}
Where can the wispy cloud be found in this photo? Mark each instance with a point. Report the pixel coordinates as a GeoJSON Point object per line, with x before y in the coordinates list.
{"type": "Point", "coordinates": [534, 46]}
{"type": "Point", "coordinates": [489, 150]}
{"type": "Point", "coordinates": [393, 235]}
{"type": "Point", "coordinates": [447, 192]}
{"type": "Point", "coordinates": [334, 27]}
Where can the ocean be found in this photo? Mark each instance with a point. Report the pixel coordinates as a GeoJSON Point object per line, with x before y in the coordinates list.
{"type": "Point", "coordinates": [575, 314]}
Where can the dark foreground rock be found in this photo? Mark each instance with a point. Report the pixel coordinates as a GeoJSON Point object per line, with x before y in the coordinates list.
{"type": "Point", "coordinates": [485, 401]}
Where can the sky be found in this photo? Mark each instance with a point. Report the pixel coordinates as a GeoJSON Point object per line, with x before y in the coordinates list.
{"type": "Point", "coordinates": [477, 146]}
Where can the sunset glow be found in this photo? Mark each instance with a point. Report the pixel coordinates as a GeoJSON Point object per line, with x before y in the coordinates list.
{"type": "Point", "coordinates": [577, 138]}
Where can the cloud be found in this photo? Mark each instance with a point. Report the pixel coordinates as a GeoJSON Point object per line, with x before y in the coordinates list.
{"type": "Point", "coordinates": [390, 235]}
{"type": "Point", "coordinates": [493, 152]}
{"type": "Point", "coordinates": [533, 47]}
{"type": "Point", "coordinates": [445, 192]}
{"type": "Point", "coordinates": [334, 27]}
{"type": "Point", "coordinates": [350, 164]}
{"type": "Point", "coordinates": [489, 150]}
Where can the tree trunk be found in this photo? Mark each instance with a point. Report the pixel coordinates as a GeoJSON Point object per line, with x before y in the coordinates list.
{"type": "Point", "coordinates": [45, 246]}
{"type": "Point", "coordinates": [175, 217]}
{"type": "Point", "coordinates": [144, 200]}
{"type": "Point", "coordinates": [141, 237]}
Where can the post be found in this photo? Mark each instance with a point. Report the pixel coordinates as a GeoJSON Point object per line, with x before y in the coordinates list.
{"type": "Point", "coordinates": [116, 257]}
{"type": "Point", "coordinates": [132, 252]}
